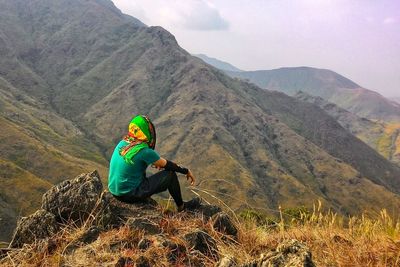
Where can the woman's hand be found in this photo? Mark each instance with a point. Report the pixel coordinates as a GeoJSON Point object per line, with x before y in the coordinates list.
{"type": "Point", "coordinates": [161, 163]}
{"type": "Point", "coordinates": [190, 177]}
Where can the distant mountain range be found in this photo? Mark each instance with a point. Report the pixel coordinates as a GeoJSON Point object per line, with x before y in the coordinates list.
{"type": "Point", "coordinates": [346, 101]}
{"type": "Point", "coordinates": [397, 99]}
{"type": "Point", "coordinates": [73, 73]}
{"type": "Point", "coordinates": [327, 84]}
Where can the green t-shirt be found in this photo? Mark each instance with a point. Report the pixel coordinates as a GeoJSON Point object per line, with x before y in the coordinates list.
{"type": "Point", "coordinates": [124, 177]}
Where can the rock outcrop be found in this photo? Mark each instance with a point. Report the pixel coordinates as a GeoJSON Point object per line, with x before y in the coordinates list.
{"type": "Point", "coordinates": [41, 224]}
{"type": "Point", "coordinates": [82, 200]}
{"type": "Point", "coordinates": [74, 200]}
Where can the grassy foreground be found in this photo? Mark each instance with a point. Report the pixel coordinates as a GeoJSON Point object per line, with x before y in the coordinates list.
{"type": "Point", "coordinates": [333, 240]}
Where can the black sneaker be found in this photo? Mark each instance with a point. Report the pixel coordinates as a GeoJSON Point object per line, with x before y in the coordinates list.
{"type": "Point", "coordinates": [193, 204]}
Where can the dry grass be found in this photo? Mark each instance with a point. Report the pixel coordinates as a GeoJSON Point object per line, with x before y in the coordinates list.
{"type": "Point", "coordinates": [333, 240]}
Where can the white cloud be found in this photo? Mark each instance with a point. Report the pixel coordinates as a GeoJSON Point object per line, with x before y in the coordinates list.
{"type": "Point", "coordinates": [197, 15]}
{"type": "Point", "coordinates": [203, 16]}
{"type": "Point", "coordinates": [132, 8]}
{"type": "Point", "coordinates": [389, 20]}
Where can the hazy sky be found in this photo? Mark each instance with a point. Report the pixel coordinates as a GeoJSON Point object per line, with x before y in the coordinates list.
{"type": "Point", "coordinates": [359, 39]}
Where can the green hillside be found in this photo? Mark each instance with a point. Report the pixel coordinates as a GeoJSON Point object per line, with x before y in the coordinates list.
{"type": "Point", "coordinates": [29, 166]}
{"type": "Point", "coordinates": [16, 198]}
{"type": "Point", "coordinates": [75, 72]}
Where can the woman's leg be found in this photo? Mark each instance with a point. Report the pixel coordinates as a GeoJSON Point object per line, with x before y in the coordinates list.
{"type": "Point", "coordinates": [164, 180]}
{"type": "Point", "coordinates": [159, 182]}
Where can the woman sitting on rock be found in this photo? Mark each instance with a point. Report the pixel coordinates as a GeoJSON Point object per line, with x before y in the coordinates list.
{"type": "Point", "coordinates": [127, 179]}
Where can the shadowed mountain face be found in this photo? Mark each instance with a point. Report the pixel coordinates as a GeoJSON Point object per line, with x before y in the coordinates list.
{"type": "Point", "coordinates": [81, 69]}
{"type": "Point", "coordinates": [381, 136]}
{"type": "Point", "coordinates": [328, 85]}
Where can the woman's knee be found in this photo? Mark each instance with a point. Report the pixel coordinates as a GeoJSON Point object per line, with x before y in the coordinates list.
{"type": "Point", "coordinates": [173, 174]}
{"type": "Point", "coordinates": [168, 177]}
{"type": "Point", "coordinates": [169, 174]}
{"type": "Point", "coordinates": [172, 178]}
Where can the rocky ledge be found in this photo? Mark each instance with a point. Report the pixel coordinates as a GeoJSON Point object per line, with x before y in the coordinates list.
{"type": "Point", "coordinates": [83, 203]}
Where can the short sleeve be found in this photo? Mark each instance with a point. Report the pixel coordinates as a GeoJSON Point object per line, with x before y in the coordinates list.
{"type": "Point", "coordinates": [150, 156]}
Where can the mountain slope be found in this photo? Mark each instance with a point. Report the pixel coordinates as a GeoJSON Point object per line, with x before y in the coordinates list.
{"type": "Point", "coordinates": [97, 67]}
{"type": "Point", "coordinates": [32, 157]}
{"type": "Point", "coordinates": [383, 137]}
{"type": "Point", "coordinates": [221, 113]}
{"type": "Point", "coordinates": [16, 198]}
{"type": "Point", "coordinates": [38, 147]}
{"type": "Point", "coordinates": [328, 85]}
{"type": "Point", "coordinates": [222, 65]}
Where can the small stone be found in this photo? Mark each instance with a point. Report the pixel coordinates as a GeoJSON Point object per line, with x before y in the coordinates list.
{"type": "Point", "coordinates": [148, 226]}
{"type": "Point", "coordinates": [223, 223]}
{"type": "Point", "coordinates": [289, 253]}
{"type": "Point", "coordinates": [203, 242]}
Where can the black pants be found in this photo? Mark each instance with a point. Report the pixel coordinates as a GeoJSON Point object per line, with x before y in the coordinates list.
{"type": "Point", "coordinates": [154, 184]}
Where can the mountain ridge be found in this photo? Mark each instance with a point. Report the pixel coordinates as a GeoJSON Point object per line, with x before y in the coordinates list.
{"type": "Point", "coordinates": [324, 83]}
{"type": "Point", "coordinates": [222, 65]}
{"type": "Point", "coordinates": [328, 85]}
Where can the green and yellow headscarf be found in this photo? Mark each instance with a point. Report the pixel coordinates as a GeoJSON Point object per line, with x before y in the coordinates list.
{"type": "Point", "coordinates": [141, 134]}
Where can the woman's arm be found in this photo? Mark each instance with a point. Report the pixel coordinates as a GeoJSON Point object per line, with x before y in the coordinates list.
{"type": "Point", "coordinates": [171, 166]}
